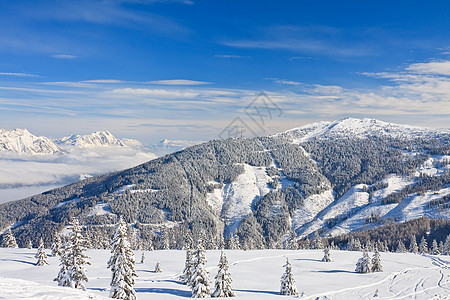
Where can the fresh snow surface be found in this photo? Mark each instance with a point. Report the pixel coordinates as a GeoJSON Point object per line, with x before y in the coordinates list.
{"type": "Point", "coordinates": [310, 208]}
{"type": "Point", "coordinates": [234, 201]}
{"type": "Point", "coordinates": [100, 209]}
{"type": "Point", "coordinates": [256, 275]}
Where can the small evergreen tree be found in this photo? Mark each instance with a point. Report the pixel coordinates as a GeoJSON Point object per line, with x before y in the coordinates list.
{"type": "Point", "coordinates": [158, 268]}
{"type": "Point", "coordinates": [200, 277]}
{"type": "Point", "coordinates": [288, 286]}
{"type": "Point", "coordinates": [423, 247]}
{"type": "Point", "coordinates": [413, 248]}
{"type": "Point", "coordinates": [40, 255]}
{"type": "Point", "coordinates": [435, 248]}
{"type": "Point", "coordinates": [326, 255]}
{"type": "Point", "coordinates": [122, 264]}
{"type": "Point", "coordinates": [317, 242]}
{"type": "Point", "coordinates": [401, 247]}
{"type": "Point", "coordinates": [446, 250]}
{"type": "Point", "coordinates": [56, 245]}
{"type": "Point", "coordinates": [29, 245]}
{"type": "Point", "coordinates": [73, 260]}
{"type": "Point", "coordinates": [364, 265]}
{"type": "Point", "coordinates": [376, 261]}
{"type": "Point", "coordinates": [187, 271]}
{"type": "Point", "coordinates": [223, 279]}
{"type": "Point", "coordinates": [9, 241]}
{"type": "Point", "coordinates": [143, 257]}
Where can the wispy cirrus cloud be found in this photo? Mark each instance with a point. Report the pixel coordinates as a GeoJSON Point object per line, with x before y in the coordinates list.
{"type": "Point", "coordinates": [65, 56]}
{"type": "Point", "coordinates": [231, 56]}
{"type": "Point", "coordinates": [18, 74]}
{"type": "Point", "coordinates": [317, 40]}
{"type": "Point", "coordinates": [284, 81]}
{"type": "Point", "coordinates": [179, 82]}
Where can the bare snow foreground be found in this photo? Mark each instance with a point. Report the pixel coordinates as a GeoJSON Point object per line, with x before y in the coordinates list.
{"type": "Point", "coordinates": [256, 275]}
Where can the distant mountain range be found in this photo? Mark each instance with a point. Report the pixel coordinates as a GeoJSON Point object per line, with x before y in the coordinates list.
{"type": "Point", "coordinates": [330, 177]}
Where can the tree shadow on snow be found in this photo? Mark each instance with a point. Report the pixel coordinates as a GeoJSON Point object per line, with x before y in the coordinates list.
{"type": "Point", "coordinates": [19, 261]}
{"type": "Point", "coordinates": [257, 291]}
{"type": "Point", "coordinates": [308, 259]}
{"type": "Point", "coordinates": [175, 292]}
{"type": "Point", "coordinates": [335, 271]}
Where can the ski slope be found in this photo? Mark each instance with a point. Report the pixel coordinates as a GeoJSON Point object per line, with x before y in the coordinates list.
{"type": "Point", "coordinates": [256, 275]}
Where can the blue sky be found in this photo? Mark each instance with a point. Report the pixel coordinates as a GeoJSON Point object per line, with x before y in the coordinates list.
{"type": "Point", "coordinates": [186, 69]}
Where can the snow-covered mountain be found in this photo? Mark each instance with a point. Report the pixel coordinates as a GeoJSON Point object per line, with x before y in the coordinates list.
{"type": "Point", "coordinates": [332, 177]}
{"type": "Point", "coordinates": [21, 141]}
{"type": "Point", "coordinates": [359, 128]}
{"type": "Point", "coordinates": [32, 164]}
{"type": "Point", "coordinates": [169, 146]}
{"type": "Point", "coordinates": [95, 139]}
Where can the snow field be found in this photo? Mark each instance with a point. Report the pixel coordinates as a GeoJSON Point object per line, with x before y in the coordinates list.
{"type": "Point", "coordinates": [256, 275]}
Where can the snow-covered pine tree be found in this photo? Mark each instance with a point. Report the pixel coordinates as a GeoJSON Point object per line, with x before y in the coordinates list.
{"type": "Point", "coordinates": [56, 245]}
{"type": "Point", "coordinates": [40, 255]}
{"type": "Point", "coordinates": [200, 277]}
{"type": "Point", "coordinates": [143, 257]}
{"type": "Point", "coordinates": [413, 248]}
{"type": "Point", "coordinates": [188, 242]}
{"type": "Point", "coordinates": [401, 247]}
{"type": "Point", "coordinates": [223, 279]}
{"type": "Point", "coordinates": [317, 242]}
{"type": "Point", "coordinates": [164, 240]}
{"type": "Point", "coordinates": [187, 271]}
{"type": "Point", "coordinates": [288, 286]}
{"type": "Point", "coordinates": [73, 259]}
{"type": "Point", "coordinates": [326, 255]}
{"type": "Point", "coordinates": [435, 248]}
{"type": "Point", "coordinates": [423, 247]}
{"type": "Point", "coordinates": [376, 261]}
{"type": "Point", "coordinates": [447, 246]}
{"type": "Point", "coordinates": [158, 268]}
{"type": "Point", "coordinates": [29, 245]}
{"type": "Point", "coordinates": [364, 265]}
{"type": "Point", "coordinates": [441, 247]}
{"type": "Point", "coordinates": [77, 257]}
{"type": "Point", "coordinates": [122, 264]}
{"type": "Point", "coordinates": [9, 241]}
{"type": "Point", "coordinates": [357, 245]}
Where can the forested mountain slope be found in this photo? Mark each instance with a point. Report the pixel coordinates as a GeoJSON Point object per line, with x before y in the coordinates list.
{"type": "Point", "coordinates": [334, 177]}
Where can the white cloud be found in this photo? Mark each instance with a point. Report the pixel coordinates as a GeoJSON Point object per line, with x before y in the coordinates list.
{"type": "Point", "coordinates": [104, 81]}
{"type": "Point", "coordinates": [155, 92]}
{"type": "Point", "coordinates": [437, 67]}
{"type": "Point", "coordinates": [283, 81]}
{"type": "Point", "coordinates": [178, 82]}
{"type": "Point", "coordinates": [65, 56]}
{"type": "Point", "coordinates": [18, 74]}
{"type": "Point", "coordinates": [231, 56]}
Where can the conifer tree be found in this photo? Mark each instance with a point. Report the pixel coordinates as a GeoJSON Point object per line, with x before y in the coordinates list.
{"type": "Point", "coordinates": [326, 255]}
{"type": "Point", "coordinates": [435, 248]}
{"type": "Point", "coordinates": [447, 246]}
{"type": "Point", "coordinates": [413, 248]}
{"type": "Point", "coordinates": [73, 260]}
{"type": "Point", "coordinates": [9, 241]}
{"type": "Point", "coordinates": [423, 247]}
{"type": "Point", "coordinates": [158, 268]}
{"type": "Point", "coordinates": [223, 279]}
{"type": "Point", "coordinates": [122, 264]}
{"type": "Point", "coordinates": [364, 265]}
{"type": "Point", "coordinates": [357, 245]}
{"type": "Point", "coordinates": [143, 257]}
{"type": "Point", "coordinates": [317, 242]}
{"type": "Point", "coordinates": [376, 261]}
{"type": "Point", "coordinates": [401, 247]}
{"type": "Point", "coordinates": [40, 255]}
{"type": "Point", "coordinates": [441, 247]}
{"type": "Point", "coordinates": [288, 286]}
{"type": "Point", "coordinates": [187, 272]}
{"type": "Point", "coordinates": [29, 245]}
{"type": "Point", "coordinates": [56, 245]}
{"type": "Point", "coordinates": [200, 277]}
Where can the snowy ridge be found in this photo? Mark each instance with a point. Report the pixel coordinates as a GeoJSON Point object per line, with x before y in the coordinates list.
{"type": "Point", "coordinates": [95, 139]}
{"type": "Point", "coordinates": [351, 127]}
{"type": "Point", "coordinates": [21, 141]}
{"type": "Point", "coordinates": [167, 146]}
